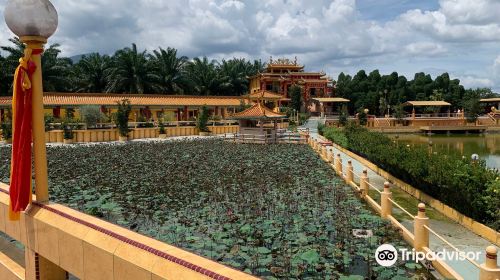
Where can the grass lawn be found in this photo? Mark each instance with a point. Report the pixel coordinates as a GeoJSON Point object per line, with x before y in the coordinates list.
{"type": "Point", "coordinates": [275, 211]}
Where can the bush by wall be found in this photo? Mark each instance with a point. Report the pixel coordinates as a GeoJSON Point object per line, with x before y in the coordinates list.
{"type": "Point", "coordinates": [469, 187]}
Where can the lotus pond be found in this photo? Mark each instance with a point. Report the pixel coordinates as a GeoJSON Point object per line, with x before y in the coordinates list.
{"type": "Point", "coordinates": [275, 211]}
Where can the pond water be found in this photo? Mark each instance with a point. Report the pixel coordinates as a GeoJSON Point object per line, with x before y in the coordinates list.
{"type": "Point", "coordinates": [487, 146]}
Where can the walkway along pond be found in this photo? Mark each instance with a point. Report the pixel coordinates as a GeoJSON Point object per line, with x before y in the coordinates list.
{"type": "Point", "coordinates": [463, 239]}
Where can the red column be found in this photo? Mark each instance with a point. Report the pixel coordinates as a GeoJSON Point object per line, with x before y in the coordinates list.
{"type": "Point", "coordinates": [178, 114]}
{"type": "Point", "coordinates": [186, 113]}
{"type": "Point", "coordinates": [56, 112]}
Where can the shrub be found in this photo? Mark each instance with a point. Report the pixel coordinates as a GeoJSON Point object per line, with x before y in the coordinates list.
{"type": "Point", "coordinates": [91, 115]}
{"type": "Point", "coordinates": [67, 131]}
{"type": "Point", "coordinates": [6, 129]}
{"type": "Point", "coordinates": [362, 116]}
{"type": "Point", "coordinates": [161, 126]}
{"type": "Point", "coordinates": [121, 117]}
{"type": "Point", "coordinates": [455, 181]}
{"type": "Point", "coordinates": [201, 124]}
{"type": "Point", "coordinates": [343, 116]}
{"type": "Point", "coordinates": [295, 97]}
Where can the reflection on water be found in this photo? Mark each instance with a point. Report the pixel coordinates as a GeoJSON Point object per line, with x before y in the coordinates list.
{"type": "Point", "coordinates": [487, 146]}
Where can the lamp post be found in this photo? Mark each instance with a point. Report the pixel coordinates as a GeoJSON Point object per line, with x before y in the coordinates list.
{"type": "Point", "coordinates": [34, 21]}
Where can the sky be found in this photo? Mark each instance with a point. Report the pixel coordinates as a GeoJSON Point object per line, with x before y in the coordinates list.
{"type": "Point", "coordinates": [461, 37]}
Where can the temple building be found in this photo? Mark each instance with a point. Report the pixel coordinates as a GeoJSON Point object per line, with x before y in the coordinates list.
{"type": "Point", "coordinates": [281, 74]}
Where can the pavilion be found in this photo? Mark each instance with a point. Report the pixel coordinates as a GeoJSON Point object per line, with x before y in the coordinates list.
{"type": "Point", "coordinates": [259, 121]}
{"type": "Point", "coordinates": [326, 104]}
{"type": "Point", "coordinates": [416, 104]}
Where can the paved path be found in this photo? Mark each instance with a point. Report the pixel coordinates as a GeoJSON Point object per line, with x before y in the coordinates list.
{"type": "Point", "coordinates": [455, 233]}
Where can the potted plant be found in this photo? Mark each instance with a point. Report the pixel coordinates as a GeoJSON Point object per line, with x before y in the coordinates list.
{"type": "Point", "coordinates": [67, 133]}
{"type": "Point", "coordinates": [163, 133]}
{"type": "Point", "coordinates": [7, 131]}
{"type": "Point", "coordinates": [201, 124]}
{"type": "Point", "coordinates": [121, 119]}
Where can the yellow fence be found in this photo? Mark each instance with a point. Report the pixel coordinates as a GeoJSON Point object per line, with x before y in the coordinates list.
{"type": "Point", "coordinates": [419, 238]}
{"type": "Point", "coordinates": [59, 240]}
{"type": "Point", "coordinates": [107, 135]}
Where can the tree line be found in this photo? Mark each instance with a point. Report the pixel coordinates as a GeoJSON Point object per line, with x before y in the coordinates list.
{"type": "Point", "coordinates": [129, 70]}
{"type": "Point", "coordinates": [381, 93]}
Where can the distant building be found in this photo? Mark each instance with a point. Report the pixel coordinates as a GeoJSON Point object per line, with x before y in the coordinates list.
{"type": "Point", "coordinates": [281, 74]}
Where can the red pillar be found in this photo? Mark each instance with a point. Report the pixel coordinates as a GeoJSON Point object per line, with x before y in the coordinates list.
{"type": "Point", "coordinates": [56, 112]}
{"type": "Point", "coordinates": [179, 115]}
{"type": "Point", "coordinates": [186, 113]}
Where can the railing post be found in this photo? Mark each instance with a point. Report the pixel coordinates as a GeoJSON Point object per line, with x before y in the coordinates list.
{"type": "Point", "coordinates": [420, 232]}
{"type": "Point", "coordinates": [338, 165]}
{"type": "Point", "coordinates": [490, 270]}
{"type": "Point", "coordinates": [385, 203]}
{"type": "Point", "coordinates": [363, 183]}
{"type": "Point", "coordinates": [331, 156]}
{"type": "Point", "coordinates": [350, 172]}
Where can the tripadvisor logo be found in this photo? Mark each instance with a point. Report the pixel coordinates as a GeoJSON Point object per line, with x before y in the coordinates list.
{"type": "Point", "coordinates": [386, 255]}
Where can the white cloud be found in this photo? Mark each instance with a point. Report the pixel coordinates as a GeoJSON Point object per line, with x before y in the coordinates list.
{"type": "Point", "coordinates": [325, 34]}
{"type": "Point", "coordinates": [475, 82]}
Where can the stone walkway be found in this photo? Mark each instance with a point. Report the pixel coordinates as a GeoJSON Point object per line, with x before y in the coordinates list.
{"type": "Point", "coordinates": [456, 234]}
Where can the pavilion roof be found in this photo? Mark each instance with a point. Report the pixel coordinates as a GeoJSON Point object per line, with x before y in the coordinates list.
{"type": "Point", "coordinates": [331, 99]}
{"type": "Point", "coordinates": [426, 103]}
{"type": "Point", "coordinates": [263, 94]}
{"type": "Point", "coordinates": [486, 100]}
{"type": "Point", "coordinates": [110, 99]}
{"type": "Point", "coordinates": [257, 111]}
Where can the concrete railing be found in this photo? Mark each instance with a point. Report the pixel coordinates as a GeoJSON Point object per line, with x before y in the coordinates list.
{"type": "Point", "coordinates": [59, 240]}
{"type": "Point", "coordinates": [419, 238]}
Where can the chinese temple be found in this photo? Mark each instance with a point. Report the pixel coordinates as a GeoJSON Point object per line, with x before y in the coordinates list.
{"type": "Point", "coordinates": [283, 73]}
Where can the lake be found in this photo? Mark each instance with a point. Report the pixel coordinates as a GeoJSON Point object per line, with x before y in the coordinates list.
{"type": "Point", "coordinates": [487, 146]}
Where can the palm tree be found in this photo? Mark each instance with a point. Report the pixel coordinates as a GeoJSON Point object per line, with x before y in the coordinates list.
{"type": "Point", "coordinates": [56, 70]}
{"type": "Point", "coordinates": [233, 75]}
{"type": "Point", "coordinates": [91, 73]}
{"type": "Point", "coordinates": [203, 76]}
{"type": "Point", "coordinates": [132, 72]}
{"type": "Point", "coordinates": [170, 70]}
{"type": "Point", "coordinates": [5, 78]}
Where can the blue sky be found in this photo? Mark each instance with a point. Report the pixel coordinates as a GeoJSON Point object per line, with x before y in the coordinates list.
{"type": "Point", "coordinates": [461, 37]}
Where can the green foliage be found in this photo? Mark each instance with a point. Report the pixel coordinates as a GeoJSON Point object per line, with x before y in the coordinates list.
{"type": "Point", "coordinates": [122, 115]}
{"type": "Point", "coordinates": [296, 97]}
{"type": "Point", "coordinates": [254, 210]}
{"type": "Point", "coordinates": [161, 126]}
{"type": "Point", "coordinates": [399, 113]}
{"type": "Point", "coordinates": [453, 180]}
{"type": "Point", "coordinates": [335, 135]}
{"type": "Point", "coordinates": [362, 116]}
{"type": "Point", "coordinates": [471, 105]}
{"type": "Point", "coordinates": [91, 115]}
{"type": "Point", "coordinates": [343, 116]}
{"type": "Point", "coordinates": [67, 131]}
{"type": "Point", "coordinates": [70, 113]}
{"type": "Point", "coordinates": [201, 124]}
{"type": "Point", "coordinates": [6, 127]}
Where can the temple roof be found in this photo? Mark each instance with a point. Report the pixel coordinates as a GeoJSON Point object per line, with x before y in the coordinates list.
{"type": "Point", "coordinates": [110, 99]}
{"type": "Point", "coordinates": [264, 95]}
{"type": "Point", "coordinates": [257, 111]}
{"type": "Point", "coordinates": [426, 103]}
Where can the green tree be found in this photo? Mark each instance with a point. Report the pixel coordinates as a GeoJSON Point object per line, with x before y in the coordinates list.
{"type": "Point", "coordinates": [171, 70]}
{"type": "Point", "coordinates": [91, 73]}
{"type": "Point", "coordinates": [202, 122]}
{"type": "Point", "coordinates": [121, 117]}
{"type": "Point", "coordinates": [203, 76]}
{"type": "Point", "coordinates": [296, 97]}
{"type": "Point", "coordinates": [132, 72]}
{"type": "Point", "coordinates": [471, 105]}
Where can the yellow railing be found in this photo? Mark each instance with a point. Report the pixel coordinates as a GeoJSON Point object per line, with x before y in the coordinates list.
{"type": "Point", "coordinates": [59, 240]}
{"type": "Point", "coordinates": [419, 239]}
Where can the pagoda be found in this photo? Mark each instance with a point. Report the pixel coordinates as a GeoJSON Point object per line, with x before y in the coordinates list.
{"type": "Point", "coordinates": [283, 73]}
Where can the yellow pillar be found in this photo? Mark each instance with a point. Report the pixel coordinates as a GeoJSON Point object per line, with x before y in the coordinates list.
{"type": "Point", "coordinates": [489, 270]}
{"type": "Point", "coordinates": [385, 203]}
{"type": "Point", "coordinates": [39, 150]}
{"type": "Point", "coordinates": [350, 172]}
{"type": "Point", "coordinates": [338, 165]}
{"type": "Point", "coordinates": [363, 183]}
{"type": "Point", "coordinates": [420, 232]}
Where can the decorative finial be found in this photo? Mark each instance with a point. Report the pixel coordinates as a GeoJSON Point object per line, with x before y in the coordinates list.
{"type": "Point", "coordinates": [271, 59]}
{"type": "Point", "coordinates": [295, 62]}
